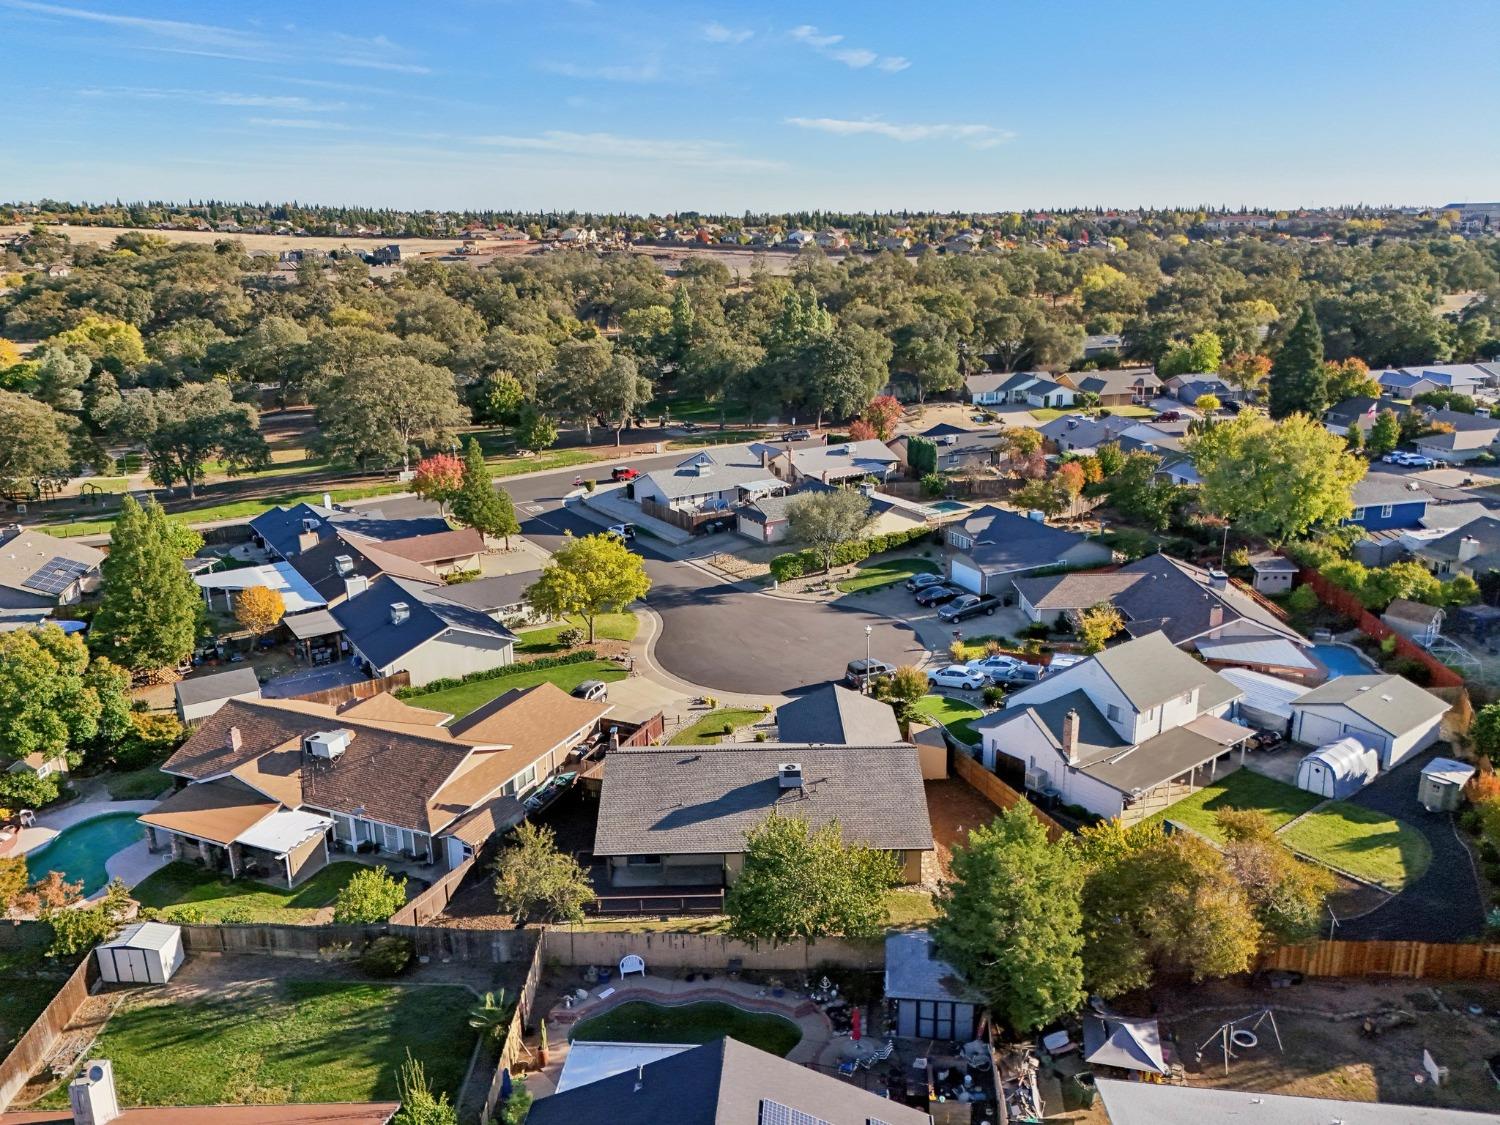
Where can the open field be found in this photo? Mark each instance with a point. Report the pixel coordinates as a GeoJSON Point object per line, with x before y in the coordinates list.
{"type": "Point", "coordinates": [459, 701]}
{"type": "Point", "coordinates": [187, 892]}
{"type": "Point", "coordinates": [285, 1041]}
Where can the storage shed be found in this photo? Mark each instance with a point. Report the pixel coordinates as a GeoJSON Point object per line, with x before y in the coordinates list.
{"type": "Point", "coordinates": [145, 953]}
{"type": "Point", "coordinates": [1442, 784]}
{"type": "Point", "coordinates": [1339, 769]}
{"type": "Point", "coordinates": [932, 1000]}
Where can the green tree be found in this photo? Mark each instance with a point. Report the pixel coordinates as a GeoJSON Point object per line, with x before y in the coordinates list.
{"type": "Point", "coordinates": [589, 576]}
{"type": "Point", "coordinates": [1354, 439]}
{"type": "Point", "coordinates": [1298, 383]}
{"type": "Point", "coordinates": [1208, 404]}
{"type": "Point", "coordinates": [1484, 732]}
{"type": "Point", "coordinates": [535, 881]}
{"type": "Point", "coordinates": [478, 503]}
{"type": "Point", "coordinates": [902, 690]}
{"type": "Point", "coordinates": [825, 521]}
{"type": "Point", "coordinates": [54, 701]}
{"type": "Point", "coordinates": [1097, 624]}
{"type": "Point", "coordinates": [34, 444]}
{"type": "Point", "coordinates": [1009, 920]}
{"type": "Point", "coordinates": [1349, 378]}
{"type": "Point", "coordinates": [60, 377]}
{"type": "Point", "coordinates": [419, 1105]}
{"type": "Point", "coordinates": [183, 428]}
{"type": "Point", "coordinates": [112, 344]}
{"type": "Point", "coordinates": [535, 431]}
{"type": "Point", "coordinates": [1385, 434]}
{"type": "Point", "coordinates": [371, 895]}
{"type": "Point", "coordinates": [1111, 459]}
{"type": "Point", "coordinates": [78, 929]}
{"type": "Point", "coordinates": [1286, 893]}
{"type": "Point", "coordinates": [1275, 479]}
{"type": "Point", "coordinates": [921, 455]}
{"type": "Point", "coordinates": [1203, 354]}
{"type": "Point", "coordinates": [149, 612]}
{"type": "Point", "coordinates": [388, 406]}
{"type": "Point", "coordinates": [800, 882]}
{"type": "Point", "coordinates": [1136, 492]}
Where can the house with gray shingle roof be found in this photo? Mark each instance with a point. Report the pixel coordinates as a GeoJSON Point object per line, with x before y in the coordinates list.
{"type": "Point", "coordinates": [1119, 387]}
{"type": "Point", "coordinates": [712, 480]}
{"type": "Point", "coordinates": [834, 714]}
{"type": "Point", "coordinates": [1125, 734]}
{"type": "Point", "coordinates": [1074, 433]}
{"type": "Point", "coordinates": [830, 464]}
{"type": "Point", "coordinates": [993, 546]}
{"type": "Point", "coordinates": [1389, 714]}
{"type": "Point", "coordinates": [39, 573]}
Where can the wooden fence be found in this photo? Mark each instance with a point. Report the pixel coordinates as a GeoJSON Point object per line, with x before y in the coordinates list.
{"type": "Point", "coordinates": [1440, 675]}
{"type": "Point", "coordinates": [998, 793]}
{"type": "Point", "coordinates": [32, 1049]}
{"type": "Point", "coordinates": [348, 693]}
{"type": "Point", "coordinates": [1407, 960]}
{"type": "Point", "coordinates": [565, 946]}
{"type": "Point", "coordinates": [431, 902]}
{"type": "Point", "coordinates": [686, 521]}
{"type": "Point", "coordinates": [515, 1036]}
{"type": "Point", "coordinates": [647, 733]}
{"type": "Point", "coordinates": [492, 947]}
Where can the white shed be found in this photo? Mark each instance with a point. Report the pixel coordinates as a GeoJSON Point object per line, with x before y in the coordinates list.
{"type": "Point", "coordinates": [1338, 769]}
{"type": "Point", "coordinates": [145, 953]}
{"type": "Point", "coordinates": [1442, 785]}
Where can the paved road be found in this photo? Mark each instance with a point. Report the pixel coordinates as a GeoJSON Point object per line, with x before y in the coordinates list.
{"type": "Point", "coordinates": [1443, 905]}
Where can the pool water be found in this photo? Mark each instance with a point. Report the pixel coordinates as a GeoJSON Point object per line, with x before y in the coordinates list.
{"type": "Point", "coordinates": [948, 506]}
{"type": "Point", "coordinates": [79, 852]}
{"type": "Point", "coordinates": [1343, 661]}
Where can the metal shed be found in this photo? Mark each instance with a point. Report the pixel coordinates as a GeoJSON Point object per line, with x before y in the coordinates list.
{"type": "Point", "coordinates": [1442, 784]}
{"type": "Point", "coordinates": [1338, 769]}
{"type": "Point", "coordinates": [145, 953]}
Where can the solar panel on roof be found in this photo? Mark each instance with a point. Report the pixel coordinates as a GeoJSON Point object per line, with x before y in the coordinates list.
{"type": "Point", "coordinates": [56, 575]}
{"type": "Point", "coordinates": [774, 1113]}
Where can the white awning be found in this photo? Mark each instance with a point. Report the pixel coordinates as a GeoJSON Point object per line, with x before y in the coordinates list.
{"type": "Point", "coordinates": [296, 593]}
{"type": "Point", "coordinates": [317, 623]}
{"type": "Point", "coordinates": [1269, 652]}
{"type": "Point", "coordinates": [282, 831]}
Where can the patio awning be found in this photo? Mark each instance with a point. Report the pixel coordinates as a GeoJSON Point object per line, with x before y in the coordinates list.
{"type": "Point", "coordinates": [314, 623]}
{"type": "Point", "coordinates": [283, 831]}
{"type": "Point", "coordinates": [1271, 652]}
{"type": "Point", "coordinates": [296, 593]}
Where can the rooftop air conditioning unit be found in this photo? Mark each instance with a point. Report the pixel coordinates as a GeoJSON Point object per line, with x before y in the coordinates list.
{"type": "Point", "coordinates": [789, 775]}
{"type": "Point", "coordinates": [400, 611]}
{"type": "Point", "coordinates": [309, 524]}
{"type": "Point", "coordinates": [344, 565]}
{"type": "Point", "coordinates": [950, 439]}
{"type": "Point", "coordinates": [328, 745]}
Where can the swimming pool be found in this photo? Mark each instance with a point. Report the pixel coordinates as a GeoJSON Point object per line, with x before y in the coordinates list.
{"type": "Point", "coordinates": [948, 506]}
{"type": "Point", "coordinates": [1343, 661]}
{"type": "Point", "coordinates": [79, 852]}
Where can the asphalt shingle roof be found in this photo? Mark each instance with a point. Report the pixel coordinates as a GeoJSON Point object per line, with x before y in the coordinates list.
{"type": "Point", "coordinates": [220, 685]}
{"type": "Point", "coordinates": [913, 971]}
{"type": "Point", "coordinates": [1393, 703]}
{"type": "Point", "coordinates": [1005, 540]}
{"type": "Point", "coordinates": [834, 714]}
{"type": "Point", "coordinates": [366, 620]}
{"type": "Point", "coordinates": [1151, 670]}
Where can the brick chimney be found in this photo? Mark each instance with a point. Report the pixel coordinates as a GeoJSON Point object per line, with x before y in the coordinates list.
{"type": "Point", "coordinates": [235, 741]}
{"type": "Point", "coordinates": [1070, 737]}
{"type": "Point", "coordinates": [1215, 615]}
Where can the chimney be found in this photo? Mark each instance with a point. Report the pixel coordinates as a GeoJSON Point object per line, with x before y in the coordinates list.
{"type": "Point", "coordinates": [235, 741]}
{"type": "Point", "coordinates": [92, 1094]}
{"type": "Point", "coordinates": [307, 540]}
{"type": "Point", "coordinates": [1215, 615]}
{"type": "Point", "coordinates": [789, 775]}
{"type": "Point", "coordinates": [765, 457]}
{"type": "Point", "coordinates": [1468, 547]}
{"type": "Point", "coordinates": [327, 500]}
{"type": "Point", "coordinates": [1070, 737]}
{"type": "Point", "coordinates": [614, 739]}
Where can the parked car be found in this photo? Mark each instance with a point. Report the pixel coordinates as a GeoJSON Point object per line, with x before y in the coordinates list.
{"type": "Point", "coordinates": [922, 581]}
{"type": "Point", "coordinates": [996, 667]}
{"type": "Point", "coordinates": [1061, 660]}
{"type": "Point", "coordinates": [625, 531]}
{"type": "Point", "coordinates": [797, 435]}
{"type": "Point", "coordinates": [936, 595]}
{"type": "Point", "coordinates": [959, 676]}
{"type": "Point", "coordinates": [623, 472]}
{"type": "Point", "coordinates": [1022, 674]}
{"type": "Point", "coordinates": [591, 689]}
{"type": "Point", "coordinates": [860, 672]}
{"type": "Point", "coordinates": [1419, 461]}
{"type": "Point", "coordinates": [1396, 458]}
{"type": "Point", "coordinates": [969, 605]}
{"type": "Point", "coordinates": [1168, 416]}
{"type": "Point", "coordinates": [1234, 406]}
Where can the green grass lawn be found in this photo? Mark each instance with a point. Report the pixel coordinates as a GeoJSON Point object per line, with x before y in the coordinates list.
{"type": "Point", "coordinates": [698, 410]}
{"type": "Point", "coordinates": [1363, 842]}
{"type": "Point", "coordinates": [459, 701]}
{"type": "Point", "coordinates": [1048, 413]}
{"type": "Point", "coordinates": [185, 890]}
{"type": "Point", "coordinates": [138, 785]}
{"type": "Point", "coordinates": [607, 626]}
{"type": "Point", "coordinates": [716, 436]}
{"type": "Point", "coordinates": [906, 909]}
{"type": "Point", "coordinates": [303, 1041]}
{"type": "Point", "coordinates": [710, 728]}
{"type": "Point", "coordinates": [640, 1022]}
{"type": "Point", "coordinates": [876, 573]}
{"type": "Point", "coordinates": [1242, 789]}
{"type": "Point", "coordinates": [954, 714]}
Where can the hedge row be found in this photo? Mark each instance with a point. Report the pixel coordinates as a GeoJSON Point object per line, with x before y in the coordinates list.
{"type": "Point", "coordinates": [797, 563]}
{"type": "Point", "coordinates": [499, 673]}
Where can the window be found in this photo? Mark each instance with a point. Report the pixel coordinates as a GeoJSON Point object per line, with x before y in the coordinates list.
{"type": "Point", "coordinates": [1385, 511]}
{"type": "Point", "coordinates": [643, 861]}
{"type": "Point", "coordinates": [962, 542]}
{"type": "Point", "coordinates": [1114, 713]}
{"type": "Point", "coordinates": [1357, 515]}
{"type": "Point", "coordinates": [522, 780]}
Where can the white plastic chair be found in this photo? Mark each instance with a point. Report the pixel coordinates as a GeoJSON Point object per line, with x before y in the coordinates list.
{"type": "Point", "coordinates": [631, 963]}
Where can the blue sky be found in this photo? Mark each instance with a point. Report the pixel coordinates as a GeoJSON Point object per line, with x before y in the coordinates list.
{"type": "Point", "coordinates": [661, 106]}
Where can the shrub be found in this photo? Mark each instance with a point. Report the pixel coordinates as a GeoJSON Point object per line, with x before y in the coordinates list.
{"type": "Point", "coordinates": [25, 790]}
{"type": "Point", "coordinates": [387, 956]}
{"type": "Point", "coordinates": [1303, 599]}
{"type": "Point", "coordinates": [994, 695]}
{"type": "Point", "coordinates": [571, 638]}
{"type": "Point", "coordinates": [760, 736]}
{"type": "Point", "coordinates": [459, 577]}
{"type": "Point", "coordinates": [590, 484]}
{"type": "Point", "coordinates": [1414, 670]}
{"type": "Point", "coordinates": [1388, 645]}
{"type": "Point", "coordinates": [934, 484]}
{"type": "Point", "coordinates": [371, 895]}
{"type": "Point", "coordinates": [797, 563]}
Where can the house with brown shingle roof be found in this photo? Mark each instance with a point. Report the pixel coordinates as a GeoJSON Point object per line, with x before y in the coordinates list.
{"type": "Point", "coordinates": [272, 786]}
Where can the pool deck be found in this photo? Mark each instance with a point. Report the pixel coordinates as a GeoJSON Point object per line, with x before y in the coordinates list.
{"type": "Point", "coordinates": [131, 864]}
{"type": "Point", "coordinates": [819, 1046]}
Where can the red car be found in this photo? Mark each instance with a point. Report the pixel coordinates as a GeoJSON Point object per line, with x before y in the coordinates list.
{"type": "Point", "coordinates": [624, 472]}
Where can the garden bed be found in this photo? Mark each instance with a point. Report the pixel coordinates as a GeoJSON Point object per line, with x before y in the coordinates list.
{"type": "Point", "coordinates": [710, 728]}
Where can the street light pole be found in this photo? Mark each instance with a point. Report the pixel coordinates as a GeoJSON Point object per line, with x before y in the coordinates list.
{"type": "Point", "coordinates": [865, 684]}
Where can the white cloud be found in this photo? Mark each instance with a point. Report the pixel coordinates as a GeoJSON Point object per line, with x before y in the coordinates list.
{"type": "Point", "coordinates": [974, 136]}
{"type": "Point", "coordinates": [856, 58]}
{"type": "Point", "coordinates": [201, 34]}
{"type": "Point", "coordinates": [714, 155]}
{"type": "Point", "coordinates": [716, 32]}
{"type": "Point", "coordinates": [216, 97]}
{"type": "Point", "coordinates": [645, 72]}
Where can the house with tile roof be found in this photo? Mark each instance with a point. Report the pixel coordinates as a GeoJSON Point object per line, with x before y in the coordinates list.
{"type": "Point", "coordinates": [271, 785]}
{"type": "Point", "coordinates": [1125, 733]}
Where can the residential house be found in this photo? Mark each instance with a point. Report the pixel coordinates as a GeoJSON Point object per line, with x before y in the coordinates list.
{"type": "Point", "coordinates": [271, 785]}
{"type": "Point", "coordinates": [40, 764]}
{"type": "Point", "coordinates": [1389, 714]}
{"type": "Point", "coordinates": [835, 715]}
{"type": "Point", "coordinates": [1166, 440]}
{"type": "Point", "coordinates": [1077, 433]}
{"type": "Point", "coordinates": [1047, 394]}
{"type": "Point", "coordinates": [1119, 387]}
{"type": "Point", "coordinates": [501, 597]}
{"type": "Point", "coordinates": [1462, 444]}
{"type": "Point", "coordinates": [287, 532]}
{"type": "Point", "coordinates": [1188, 389]}
{"type": "Point", "coordinates": [345, 564]}
{"type": "Point", "coordinates": [1106, 343]}
{"type": "Point", "coordinates": [678, 815]}
{"type": "Point", "coordinates": [39, 573]}
{"type": "Point", "coordinates": [993, 546]}
{"type": "Point", "coordinates": [831, 464]}
{"type": "Point", "coordinates": [1414, 620]}
{"type": "Point", "coordinates": [1124, 734]}
{"type": "Point", "coordinates": [767, 519]}
{"type": "Point", "coordinates": [402, 626]}
{"type": "Point", "coordinates": [1153, 1103]}
{"type": "Point", "coordinates": [1233, 224]}
{"type": "Point", "coordinates": [1386, 500]}
{"type": "Point", "coordinates": [1470, 549]}
{"type": "Point", "coordinates": [1029, 388]}
{"type": "Point", "coordinates": [958, 449]}
{"type": "Point", "coordinates": [723, 1081]}
{"type": "Point", "coordinates": [441, 552]}
{"type": "Point", "coordinates": [1404, 384]}
{"type": "Point", "coordinates": [1362, 411]}
{"type": "Point", "coordinates": [710, 482]}
{"type": "Point", "coordinates": [931, 1000]}
{"type": "Point", "coordinates": [201, 696]}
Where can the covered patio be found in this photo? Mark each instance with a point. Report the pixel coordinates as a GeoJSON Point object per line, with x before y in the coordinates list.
{"type": "Point", "coordinates": [297, 594]}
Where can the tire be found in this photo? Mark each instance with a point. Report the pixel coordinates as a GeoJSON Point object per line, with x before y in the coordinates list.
{"type": "Point", "coordinates": [989, 613]}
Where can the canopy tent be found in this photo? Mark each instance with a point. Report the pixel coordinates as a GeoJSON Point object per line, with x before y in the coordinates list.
{"type": "Point", "coordinates": [296, 593]}
{"type": "Point", "coordinates": [1119, 1041]}
{"type": "Point", "coordinates": [1338, 769]}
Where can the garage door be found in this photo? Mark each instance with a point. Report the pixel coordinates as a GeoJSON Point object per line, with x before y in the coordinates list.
{"type": "Point", "coordinates": [968, 577]}
{"type": "Point", "coordinates": [1319, 730]}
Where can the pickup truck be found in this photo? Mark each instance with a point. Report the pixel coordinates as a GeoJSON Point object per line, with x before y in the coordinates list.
{"type": "Point", "coordinates": [969, 605]}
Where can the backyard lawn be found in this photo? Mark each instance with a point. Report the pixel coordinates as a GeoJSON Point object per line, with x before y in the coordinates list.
{"type": "Point", "coordinates": [459, 701]}
{"type": "Point", "coordinates": [607, 627]}
{"type": "Point", "coordinates": [954, 714]}
{"type": "Point", "coordinates": [875, 573]}
{"type": "Point", "coordinates": [138, 785]}
{"type": "Point", "coordinates": [294, 1041]}
{"type": "Point", "coordinates": [1363, 842]}
{"type": "Point", "coordinates": [710, 728]}
{"type": "Point", "coordinates": [1242, 789]}
{"type": "Point", "coordinates": [186, 891]}
{"type": "Point", "coordinates": [639, 1022]}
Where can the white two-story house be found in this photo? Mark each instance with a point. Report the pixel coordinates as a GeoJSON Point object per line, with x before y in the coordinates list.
{"type": "Point", "coordinates": [1124, 734]}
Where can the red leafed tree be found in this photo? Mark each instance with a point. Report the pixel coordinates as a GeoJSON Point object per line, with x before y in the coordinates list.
{"type": "Point", "coordinates": [860, 430]}
{"type": "Point", "coordinates": [1070, 478]}
{"type": "Point", "coordinates": [882, 415]}
{"type": "Point", "coordinates": [439, 478]}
